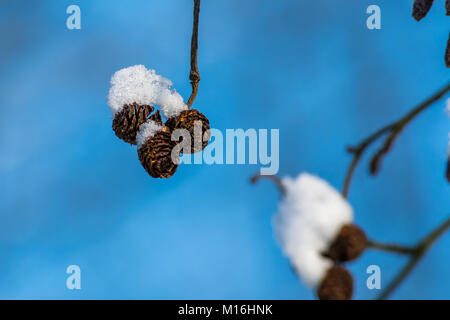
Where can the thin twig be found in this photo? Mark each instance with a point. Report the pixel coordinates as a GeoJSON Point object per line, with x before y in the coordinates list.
{"type": "Point", "coordinates": [275, 179]}
{"type": "Point", "coordinates": [418, 252]}
{"type": "Point", "coordinates": [357, 154]}
{"type": "Point", "coordinates": [194, 75]}
{"type": "Point", "coordinates": [393, 130]}
{"type": "Point", "coordinates": [391, 247]}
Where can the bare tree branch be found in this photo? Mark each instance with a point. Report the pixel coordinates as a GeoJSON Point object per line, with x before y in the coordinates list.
{"type": "Point", "coordinates": [275, 179]}
{"type": "Point", "coordinates": [418, 252]}
{"type": "Point", "coordinates": [391, 247]}
{"type": "Point", "coordinates": [393, 130]}
{"type": "Point", "coordinates": [194, 75]}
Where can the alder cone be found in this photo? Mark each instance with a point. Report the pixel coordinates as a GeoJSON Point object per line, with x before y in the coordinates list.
{"type": "Point", "coordinates": [186, 120]}
{"type": "Point", "coordinates": [155, 155]}
{"type": "Point", "coordinates": [156, 117]}
{"type": "Point", "coordinates": [447, 7]}
{"type": "Point", "coordinates": [349, 244]}
{"type": "Point", "coordinates": [126, 122]}
{"type": "Point", "coordinates": [421, 8]}
{"type": "Point", "coordinates": [336, 285]}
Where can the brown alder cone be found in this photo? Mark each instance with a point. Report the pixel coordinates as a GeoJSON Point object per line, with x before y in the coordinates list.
{"type": "Point", "coordinates": [126, 123]}
{"type": "Point", "coordinates": [421, 8]}
{"type": "Point", "coordinates": [186, 120]}
{"type": "Point", "coordinates": [155, 155]}
{"type": "Point", "coordinates": [447, 53]}
{"type": "Point", "coordinates": [336, 285]}
{"type": "Point", "coordinates": [349, 244]}
{"type": "Point", "coordinates": [156, 117]}
{"type": "Point", "coordinates": [447, 7]}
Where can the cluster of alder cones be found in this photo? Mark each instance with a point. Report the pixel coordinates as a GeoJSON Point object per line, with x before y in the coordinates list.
{"type": "Point", "coordinates": [420, 10]}
{"type": "Point", "coordinates": [349, 244]}
{"type": "Point", "coordinates": [156, 153]}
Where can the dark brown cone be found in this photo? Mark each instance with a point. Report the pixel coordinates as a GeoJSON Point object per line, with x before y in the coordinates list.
{"type": "Point", "coordinates": [186, 120]}
{"type": "Point", "coordinates": [447, 7]}
{"type": "Point", "coordinates": [156, 117]}
{"type": "Point", "coordinates": [336, 285]}
{"type": "Point", "coordinates": [348, 245]}
{"type": "Point", "coordinates": [447, 53]}
{"type": "Point", "coordinates": [421, 8]}
{"type": "Point", "coordinates": [156, 155]}
{"type": "Point", "coordinates": [126, 123]}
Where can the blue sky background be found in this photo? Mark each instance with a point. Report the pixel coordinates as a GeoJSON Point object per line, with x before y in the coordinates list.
{"type": "Point", "coordinates": [72, 193]}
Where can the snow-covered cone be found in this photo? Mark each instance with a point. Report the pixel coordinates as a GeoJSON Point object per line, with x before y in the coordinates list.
{"type": "Point", "coordinates": [156, 117]}
{"type": "Point", "coordinates": [336, 285]}
{"type": "Point", "coordinates": [155, 150]}
{"type": "Point", "coordinates": [421, 8]}
{"type": "Point", "coordinates": [310, 219]}
{"type": "Point", "coordinates": [126, 123]}
{"type": "Point", "coordinates": [188, 120]}
{"type": "Point", "coordinates": [133, 93]}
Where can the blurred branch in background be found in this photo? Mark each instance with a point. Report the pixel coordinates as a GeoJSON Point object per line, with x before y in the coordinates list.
{"type": "Point", "coordinates": [275, 179]}
{"type": "Point", "coordinates": [194, 75]}
{"type": "Point", "coordinates": [390, 247]}
{"type": "Point", "coordinates": [392, 130]}
{"type": "Point", "coordinates": [416, 252]}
